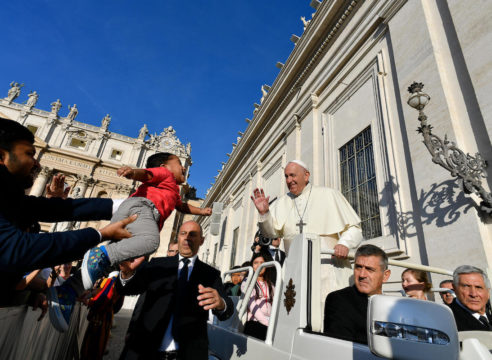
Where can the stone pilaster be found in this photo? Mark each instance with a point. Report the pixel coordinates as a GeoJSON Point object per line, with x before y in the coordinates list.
{"type": "Point", "coordinates": [40, 182]}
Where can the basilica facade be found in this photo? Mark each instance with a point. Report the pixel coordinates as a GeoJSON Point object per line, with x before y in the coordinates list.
{"type": "Point", "coordinates": [339, 103]}
{"type": "Point", "coordinates": [89, 156]}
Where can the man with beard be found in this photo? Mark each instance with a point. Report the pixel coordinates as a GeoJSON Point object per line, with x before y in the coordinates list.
{"type": "Point", "coordinates": [22, 251]}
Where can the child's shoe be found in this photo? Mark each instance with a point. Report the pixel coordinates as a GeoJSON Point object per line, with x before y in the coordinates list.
{"type": "Point", "coordinates": [96, 265]}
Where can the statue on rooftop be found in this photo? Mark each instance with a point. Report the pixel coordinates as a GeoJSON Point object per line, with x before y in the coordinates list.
{"type": "Point", "coordinates": [105, 122]}
{"type": "Point", "coordinates": [169, 131]}
{"type": "Point", "coordinates": [33, 99]}
{"type": "Point", "coordinates": [55, 107]}
{"type": "Point", "coordinates": [14, 91]}
{"type": "Point", "coordinates": [264, 91]}
{"type": "Point", "coordinates": [143, 132]}
{"type": "Point", "coordinates": [73, 112]}
{"type": "Point", "coordinates": [305, 22]}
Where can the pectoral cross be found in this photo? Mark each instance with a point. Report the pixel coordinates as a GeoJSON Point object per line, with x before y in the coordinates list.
{"type": "Point", "coordinates": [301, 225]}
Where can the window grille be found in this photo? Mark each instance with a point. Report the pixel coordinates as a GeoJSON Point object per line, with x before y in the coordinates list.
{"type": "Point", "coordinates": [358, 181]}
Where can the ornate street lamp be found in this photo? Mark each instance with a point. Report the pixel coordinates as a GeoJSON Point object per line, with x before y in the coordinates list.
{"type": "Point", "coordinates": [468, 169]}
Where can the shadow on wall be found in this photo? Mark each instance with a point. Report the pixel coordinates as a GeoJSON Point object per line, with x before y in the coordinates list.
{"type": "Point", "coordinates": [443, 205]}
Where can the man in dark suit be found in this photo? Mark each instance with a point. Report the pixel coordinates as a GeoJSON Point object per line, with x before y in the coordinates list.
{"type": "Point", "coordinates": [277, 254]}
{"type": "Point", "coordinates": [22, 251]}
{"type": "Point", "coordinates": [472, 288]}
{"type": "Point", "coordinates": [179, 291]}
{"type": "Point", "coordinates": [346, 309]}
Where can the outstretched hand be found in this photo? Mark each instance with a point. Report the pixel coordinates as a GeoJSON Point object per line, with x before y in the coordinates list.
{"type": "Point", "coordinates": [260, 201]}
{"type": "Point", "coordinates": [128, 267]}
{"type": "Point", "coordinates": [206, 211]}
{"type": "Point", "coordinates": [126, 171]}
{"type": "Point", "coordinates": [209, 298]}
{"type": "Point", "coordinates": [116, 231]}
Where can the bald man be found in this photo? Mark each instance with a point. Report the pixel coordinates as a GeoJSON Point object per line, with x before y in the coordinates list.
{"type": "Point", "coordinates": [315, 210]}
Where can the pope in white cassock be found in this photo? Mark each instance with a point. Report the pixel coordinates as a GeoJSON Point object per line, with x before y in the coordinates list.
{"type": "Point", "coordinates": [314, 210]}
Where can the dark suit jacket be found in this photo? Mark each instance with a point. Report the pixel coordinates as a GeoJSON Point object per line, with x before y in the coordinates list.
{"type": "Point", "coordinates": [158, 279]}
{"type": "Point", "coordinates": [281, 255]}
{"type": "Point", "coordinates": [21, 252]}
{"type": "Point", "coordinates": [465, 321]}
{"type": "Point", "coordinates": [346, 315]}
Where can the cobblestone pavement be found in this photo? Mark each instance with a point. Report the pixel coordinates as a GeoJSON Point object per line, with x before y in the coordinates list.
{"type": "Point", "coordinates": [117, 340]}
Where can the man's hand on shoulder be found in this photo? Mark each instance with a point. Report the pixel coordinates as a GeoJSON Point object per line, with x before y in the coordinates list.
{"type": "Point", "coordinates": [260, 201]}
{"type": "Point", "coordinates": [116, 231]}
{"type": "Point", "coordinates": [209, 298]}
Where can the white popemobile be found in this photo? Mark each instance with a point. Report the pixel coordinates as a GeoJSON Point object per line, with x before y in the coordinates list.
{"type": "Point", "coordinates": [397, 327]}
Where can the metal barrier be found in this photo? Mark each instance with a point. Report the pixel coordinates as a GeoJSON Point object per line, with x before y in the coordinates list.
{"type": "Point", "coordinates": [23, 337]}
{"type": "Point", "coordinates": [400, 263]}
{"type": "Point", "coordinates": [276, 297]}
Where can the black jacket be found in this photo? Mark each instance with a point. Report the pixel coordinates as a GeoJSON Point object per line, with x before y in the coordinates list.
{"type": "Point", "coordinates": [158, 279]}
{"type": "Point", "coordinates": [465, 321]}
{"type": "Point", "coordinates": [346, 315]}
{"type": "Point", "coordinates": [21, 252]}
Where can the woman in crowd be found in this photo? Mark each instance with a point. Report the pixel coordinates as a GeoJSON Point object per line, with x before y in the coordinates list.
{"type": "Point", "coordinates": [260, 302]}
{"type": "Point", "coordinates": [415, 283]}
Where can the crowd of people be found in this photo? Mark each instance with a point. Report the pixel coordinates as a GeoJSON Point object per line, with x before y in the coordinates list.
{"type": "Point", "coordinates": [178, 291]}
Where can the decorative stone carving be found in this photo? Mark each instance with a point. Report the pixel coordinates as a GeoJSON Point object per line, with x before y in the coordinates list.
{"type": "Point", "coordinates": [14, 91]}
{"type": "Point", "coordinates": [188, 148]}
{"type": "Point", "coordinates": [33, 99]}
{"type": "Point", "coordinates": [105, 122]}
{"type": "Point", "coordinates": [55, 107]}
{"type": "Point", "coordinates": [73, 112]}
{"type": "Point", "coordinates": [290, 296]}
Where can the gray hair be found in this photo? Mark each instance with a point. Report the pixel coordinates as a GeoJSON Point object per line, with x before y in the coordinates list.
{"type": "Point", "coordinates": [445, 282]}
{"type": "Point", "coordinates": [468, 269]}
{"type": "Point", "coordinates": [373, 250]}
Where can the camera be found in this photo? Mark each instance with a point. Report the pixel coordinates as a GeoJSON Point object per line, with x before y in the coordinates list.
{"type": "Point", "coordinates": [262, 241]}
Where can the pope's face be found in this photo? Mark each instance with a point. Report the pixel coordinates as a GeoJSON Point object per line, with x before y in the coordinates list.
{"type": "Point", "coordinates": [296, 178]}
{"type": "Point", "coordinates": [472, 293]}
{"type": "Point", "coordinates": [189, 239]}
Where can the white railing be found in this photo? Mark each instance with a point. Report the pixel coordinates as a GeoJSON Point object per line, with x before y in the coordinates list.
{"type": "Point", "coordinates": [243, 305]}
{"type": "Point", "coordinates": [402, 264]}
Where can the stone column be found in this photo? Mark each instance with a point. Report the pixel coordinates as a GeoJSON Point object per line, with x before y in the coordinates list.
{"type": "Point", "coordinates": [82, 184]}
{"type": "Point", "coordinates": [40, 182]}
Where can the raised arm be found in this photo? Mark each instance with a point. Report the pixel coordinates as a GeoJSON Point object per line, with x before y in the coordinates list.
{"type": "Point", "coordinates": [135, 174]}
{"type": "Point", "coordinates": [190, 209]}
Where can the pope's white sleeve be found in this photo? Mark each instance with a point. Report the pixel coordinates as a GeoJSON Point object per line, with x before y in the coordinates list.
{"type": "Point", "coordinates": [265, 222]}
{"type": "Point", "coordinates": [351, 238]}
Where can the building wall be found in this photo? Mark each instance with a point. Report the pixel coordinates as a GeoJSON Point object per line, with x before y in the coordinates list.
{"type": "Point", "coordinates": [351, 69]}
{"type": "Point", "coordinates": [91, 169]}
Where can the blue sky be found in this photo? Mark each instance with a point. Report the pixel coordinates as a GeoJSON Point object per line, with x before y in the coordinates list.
{"type": "Point", "coordinates": [196, 65]}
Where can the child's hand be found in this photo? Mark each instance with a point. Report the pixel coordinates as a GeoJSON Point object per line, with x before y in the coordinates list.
{"type": "Point", "coordinates": [126, 171]}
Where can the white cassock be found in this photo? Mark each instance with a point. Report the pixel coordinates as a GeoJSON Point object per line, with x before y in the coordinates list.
{"type": "Point", "coordinates": [325, 212]}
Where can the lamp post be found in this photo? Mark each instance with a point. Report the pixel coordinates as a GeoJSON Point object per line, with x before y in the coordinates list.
{"type": "Point", "coordinates": [468, 169]}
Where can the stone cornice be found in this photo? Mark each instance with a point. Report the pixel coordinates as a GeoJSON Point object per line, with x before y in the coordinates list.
{"type": "Point", "coordinates": [329, 18]}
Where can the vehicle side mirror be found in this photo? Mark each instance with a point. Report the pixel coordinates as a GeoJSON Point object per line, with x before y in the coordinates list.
{"type": "Point", "coordinates": [405, 328]}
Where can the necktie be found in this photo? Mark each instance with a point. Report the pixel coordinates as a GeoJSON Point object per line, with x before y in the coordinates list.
{"type": "Point", "coordinates": [277, 255]}
{"type": "Point", "coordinates": [484, 321]}
{"type": "Point", "coordinates": [182, 280]}
{"type": "Point", "coordinates": [183, 275]}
